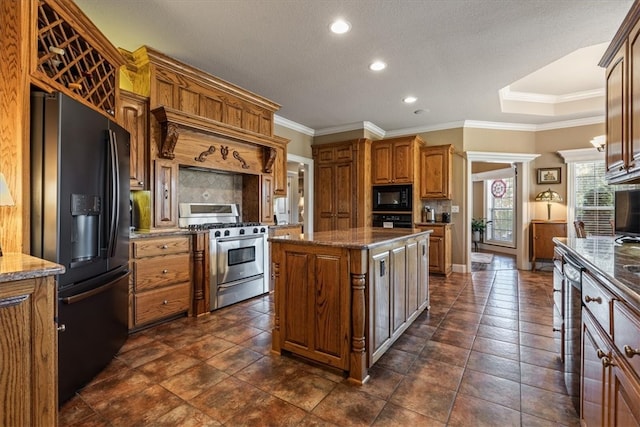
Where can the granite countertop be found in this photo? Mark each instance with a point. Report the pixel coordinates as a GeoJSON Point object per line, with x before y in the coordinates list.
{"type": "Point", "coordinates": [17, 266]}
{"type": "Point", "coordinates": [603, 256]}
{"type": "Point", "coordinates": [427, 224]}
{"type": "Point", "coordinates": [355, 238]}
{"type": "Point", "coordinates": [290, 225]}
{"type": "Point", "coordinates": [158, 232]}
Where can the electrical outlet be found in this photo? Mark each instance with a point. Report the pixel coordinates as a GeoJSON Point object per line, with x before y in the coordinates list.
{"type": "Point", "coordinates": [455, 209]}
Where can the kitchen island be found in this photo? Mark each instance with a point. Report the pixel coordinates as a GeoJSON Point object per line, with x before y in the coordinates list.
{"type": "Point", "coordinates": [343, 297]}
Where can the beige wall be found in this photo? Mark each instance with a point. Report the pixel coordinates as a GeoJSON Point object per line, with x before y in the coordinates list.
{"type": "Point", "coordinates": [299, 144]}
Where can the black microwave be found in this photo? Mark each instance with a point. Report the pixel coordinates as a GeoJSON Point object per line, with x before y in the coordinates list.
{"type": "Point", "coordinates": [395, 198]}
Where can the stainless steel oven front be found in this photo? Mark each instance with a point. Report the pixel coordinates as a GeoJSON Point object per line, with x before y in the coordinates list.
{"type": "Point", "coordinates": [238, 268]}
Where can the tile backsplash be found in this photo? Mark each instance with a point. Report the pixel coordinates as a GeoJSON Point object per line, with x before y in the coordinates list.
{"type": "Point", "coordinates": [209, 187]}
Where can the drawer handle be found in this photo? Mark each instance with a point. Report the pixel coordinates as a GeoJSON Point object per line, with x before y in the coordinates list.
{"type": "Point", "coordinates": [165, 302]}
{"type": "Point", "coordinates": [557, 329]}
{"type": "Point", "coordinates": [165, 271]}
{"type": "Point", "coordinates": [557, 290]}
{"type": "Point", "coordinates": [606, 362]}
{"type": "Point", "coordinates": [600, 354]}
{"type": "Point", "coordinates": [587, 298]}
{"type": "Point", "coordinates": [630, 352]}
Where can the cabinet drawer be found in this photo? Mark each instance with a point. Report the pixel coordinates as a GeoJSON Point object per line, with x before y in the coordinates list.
{"type": "Point", "coordinates": [160, 271]}
{"type": "Point", "coordinates": [153, 247]}
{"type": "Point", "coordinates": [158, 303]}
{"type": "Point", "coordinates": [597, 300]}
{"type": "Point", "coordinates": [438, 230]}
{"type": "Point", "coordinates": [626, 333]}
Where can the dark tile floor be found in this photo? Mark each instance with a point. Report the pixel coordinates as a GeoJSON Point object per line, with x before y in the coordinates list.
{"type": "Point", "coordinates": [483, 355]}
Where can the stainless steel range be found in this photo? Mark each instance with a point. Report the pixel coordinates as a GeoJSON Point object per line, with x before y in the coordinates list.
{"type": "Point", "coordinates": [239, 258]}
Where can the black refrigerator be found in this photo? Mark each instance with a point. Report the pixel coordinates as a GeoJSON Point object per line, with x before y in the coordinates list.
{"type": "Point", "coordinates": [80, 219]}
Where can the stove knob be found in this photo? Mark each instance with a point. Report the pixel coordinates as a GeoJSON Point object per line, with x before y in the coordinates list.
{"type": "Point", "coordinates": [242, 231]}
{"type": "Point", "coordinates": [216, 234]}
{"type": "Point", "coordinates": [226, 232]}
{"type": "Point", "coordinates": [255, 230]}
{"type": "Point", "coordinates": [262, 230]}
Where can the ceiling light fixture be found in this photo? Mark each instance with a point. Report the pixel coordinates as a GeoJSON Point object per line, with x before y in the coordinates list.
{"type": "Point", "coordinates": [377, 66]}
{"type": "Point", "coordinates": [599, 142]}
{"type": "Point", "coordinates": [409, 99]}
{"type": "Point", "coordinates": [340, 26]}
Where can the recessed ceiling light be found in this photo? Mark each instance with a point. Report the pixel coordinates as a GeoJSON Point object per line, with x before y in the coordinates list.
{"type": "Point", "coordinates": [340, 26]}
{"type": "Point", "coordinates": [409, 99]}
{"type": "Point", "coordinates": [377, 66]}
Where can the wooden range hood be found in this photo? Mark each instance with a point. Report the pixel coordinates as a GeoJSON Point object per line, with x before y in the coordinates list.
{"type": "Point", "coordinates": [197, 141]}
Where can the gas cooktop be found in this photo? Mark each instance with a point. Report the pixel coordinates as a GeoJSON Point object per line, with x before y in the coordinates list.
{"type": "Point", "coordinates": [218, 225]}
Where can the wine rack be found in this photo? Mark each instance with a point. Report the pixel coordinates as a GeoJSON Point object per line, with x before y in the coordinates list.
{"type": "Point", "coordinates": [68, 62]}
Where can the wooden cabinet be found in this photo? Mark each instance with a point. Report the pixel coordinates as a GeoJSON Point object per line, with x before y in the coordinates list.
{"type": "Point", "coordinates": [161, 279]}
{"type": "Point", "coordinates": [439, 248]}
{"type": "Point", "coordinates": [133, 115]}
{"type": "Point", "coordinates": [436, 172]}
{"type": "Point", "coordinates": [166, 194]}
{"type": "Point", "coordinates": [622, 60]}
{"type": "Point", "coordinates": [541, 234]}
{"type": "Point", "coordinates": [257, 198]}
{"type": "Point", "coordinates": [28, 361]}
{"type": "Point", "coordinates": [342, 185]}
{"type": "Point", "coordinates": [280, 172]}
{"type": "Point", "coordinates": [72, 56]}
{"type": "Point", "coordinates": [610, 385]}
{"type": "Point", "coordinates": [393, 161]}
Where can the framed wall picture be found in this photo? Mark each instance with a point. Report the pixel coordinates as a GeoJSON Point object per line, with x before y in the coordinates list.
{"type": "Point", "coordinates": [549, 175]}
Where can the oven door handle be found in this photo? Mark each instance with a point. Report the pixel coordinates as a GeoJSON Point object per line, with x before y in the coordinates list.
{"type": "Point", "coordinates": [236, 238]}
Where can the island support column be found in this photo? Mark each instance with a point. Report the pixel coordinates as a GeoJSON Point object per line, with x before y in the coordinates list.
{"type": "Point", "coordinates": [358, 372]}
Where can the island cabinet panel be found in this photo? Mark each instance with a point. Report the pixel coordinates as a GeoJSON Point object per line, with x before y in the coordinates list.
{"type": "Point", "coordinates": [342, 303]}
{"type": "Point", "coordinates": [380, 292]}
{"type": "Point", "coordinates": [316, 324]}
{"type": "Point", "coordinates": [594, 374]}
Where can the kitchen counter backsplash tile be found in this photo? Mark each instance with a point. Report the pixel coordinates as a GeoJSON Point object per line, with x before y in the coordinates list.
{"type": "Point", "coordinates": [209, 187]}
{"type": "Point", "coordinates": [613, 261]}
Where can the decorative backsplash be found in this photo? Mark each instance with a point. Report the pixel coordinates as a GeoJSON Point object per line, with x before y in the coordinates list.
{"type": "Point", "coordinates": [209, 187]}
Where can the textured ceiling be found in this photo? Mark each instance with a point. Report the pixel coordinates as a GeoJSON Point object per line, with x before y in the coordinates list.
{"type": "Point", "coordinates": [453, 55]}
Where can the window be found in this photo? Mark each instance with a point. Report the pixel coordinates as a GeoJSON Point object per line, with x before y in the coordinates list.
{"type": "Point", "coordinates": [594, 198]}
{"type": "Point", "coordinates": [500, 211]}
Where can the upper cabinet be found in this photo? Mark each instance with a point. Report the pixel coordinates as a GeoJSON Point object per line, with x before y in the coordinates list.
{"type": "Point", "coordinates": [393, 161]}
{"type": "Point", "coordinates": [436, 171]}
{"type": "Point", "coordinates": [72, 56]}
{"type": "Point", "coordinates": [342, 185]}
{"type": "Point", "coordinates": [622, 61]}
{"type": "Point", "coordinates": [133, 115]}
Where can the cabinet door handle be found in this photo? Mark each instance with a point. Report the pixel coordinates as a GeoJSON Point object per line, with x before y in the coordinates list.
{"type": "Point", "coordinates": [598, 300]}
{"type": "Point", "coordinates": [557, 329]}
{"type": "Point", "coordinates": [557, 290]}
{"type": "Point", "coordinates": [424, 250]}
{"type": "Point", "coordinates": [140, 182]}
{"type": "Point", "coordinates": [600, 353]}
{"type": "Point", "coordinates": [606, 362]}
{"type": "Point", "coordinates": [630, 351]}
{"type": "Point", "coordinates": [165, 302]}
{"type": "Point", "coordinates": [165, 271]}
{"type": "Point", "coordinates": [382, 268]}
{"type": "Point", "coordinates": [166, 192]}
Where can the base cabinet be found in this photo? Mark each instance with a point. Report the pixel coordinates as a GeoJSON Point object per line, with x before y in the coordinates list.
{"type": "Point", "coordinates": [439, 249]}
{"type": "Point", "coordinates": [161, 279]}
{"type": "Point", "coordinates": [541, 234]}
{"type": "Point", "coordinates": [28, 359]}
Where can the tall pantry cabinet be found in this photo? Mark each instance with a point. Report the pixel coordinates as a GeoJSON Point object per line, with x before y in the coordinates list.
{"type": "Point", "coordinates": [342, 185]}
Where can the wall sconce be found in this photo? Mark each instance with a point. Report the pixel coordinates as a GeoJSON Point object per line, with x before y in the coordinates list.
{"type": "Point", "coordinates": [599, 142]}
{"type": "Point", "coordinates": [548, 196]}
{"type": "Point", "coordinates": [5, 196]}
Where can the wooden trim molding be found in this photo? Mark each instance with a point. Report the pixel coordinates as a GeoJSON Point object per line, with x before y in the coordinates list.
{"type": "Point", "coordinates": [173, 122]}
{"type": "Point", "coordinates": [621, 36]}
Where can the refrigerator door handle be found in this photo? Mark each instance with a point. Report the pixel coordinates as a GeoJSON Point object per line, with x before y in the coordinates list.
{"type": "Point", "coordinates": [100, 289]}
{"type": "Point", "coordinates": [114, 217]}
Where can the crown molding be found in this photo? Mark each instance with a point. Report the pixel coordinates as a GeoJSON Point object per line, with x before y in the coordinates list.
{"type": "Point", "coordinates": [498, 157]}
{"type": "Point", "coordinates": [468, 124]}
{"type": "Point", "coordinates": [581, 155]}
{"type": "Point", "coordinates": [508, 95]}
{"type": "Point", "coordinates": [290, 124]}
